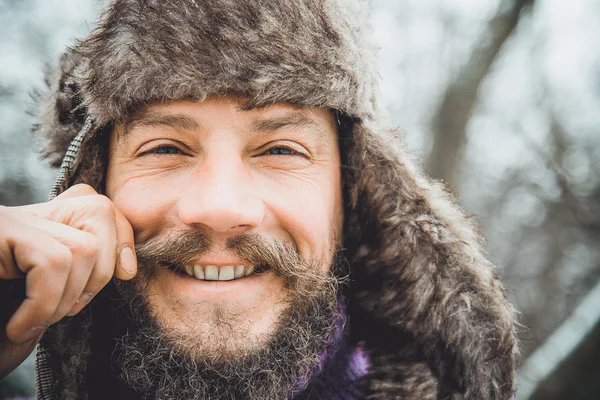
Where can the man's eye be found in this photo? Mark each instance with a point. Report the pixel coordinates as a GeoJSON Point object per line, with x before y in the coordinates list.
{"type": "Point", "coordinates": [282, 151]}
{"type": "Point", "coordinates": [164, 149]}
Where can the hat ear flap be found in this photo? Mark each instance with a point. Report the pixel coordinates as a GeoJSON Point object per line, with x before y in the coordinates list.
{"type": "Point", "coordinates": [418, 272]}
{"type": "Point", "coordinates": [61, 115]}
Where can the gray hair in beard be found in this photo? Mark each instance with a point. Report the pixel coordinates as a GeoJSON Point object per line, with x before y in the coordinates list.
{"type": "Point", "coordinates": [153, 365]}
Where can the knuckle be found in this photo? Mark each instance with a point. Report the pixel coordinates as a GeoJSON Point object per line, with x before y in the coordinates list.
{"type": "Point", "coordinates": [104, 205]}
{"type": "Point", "coordinates": [60, 258]}
{"type": "Point", "coordinates": [82, 187]}
{"type": "Point", "coordinates": [46, 310]}
{"type": "Point", "coordinates": [86, 245]}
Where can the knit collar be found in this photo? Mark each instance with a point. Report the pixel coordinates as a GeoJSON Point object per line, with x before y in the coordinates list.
{"type": "Point", "coordinates": [342, 365]}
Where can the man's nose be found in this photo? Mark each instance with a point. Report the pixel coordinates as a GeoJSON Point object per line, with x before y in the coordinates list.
{"type": "Point", "coordinates": [220, 197]}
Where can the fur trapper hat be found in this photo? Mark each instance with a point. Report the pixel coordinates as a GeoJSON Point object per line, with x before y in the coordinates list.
{"type": "Point", "coordinates": [423, 300]}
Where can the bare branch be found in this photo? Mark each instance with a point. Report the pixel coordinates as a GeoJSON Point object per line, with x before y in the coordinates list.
{"type": "Point", "coordinates": [450, 121]}
{"type": "Point", "coordinates": [569, 200]}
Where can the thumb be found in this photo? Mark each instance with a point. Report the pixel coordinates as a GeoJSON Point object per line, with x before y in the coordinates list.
{"type": "Point", "coordinates": [126, 259]}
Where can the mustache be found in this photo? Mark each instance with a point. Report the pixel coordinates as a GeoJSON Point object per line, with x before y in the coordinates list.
{"type": "Point", "coordinates": [284, 259]}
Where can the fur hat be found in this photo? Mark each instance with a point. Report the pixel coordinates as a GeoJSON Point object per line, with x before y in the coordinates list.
{"type": "Point", "coordinates": [424, 301]}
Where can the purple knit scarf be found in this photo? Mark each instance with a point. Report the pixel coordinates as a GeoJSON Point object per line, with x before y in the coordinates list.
{"type": "Point", "coordinates": [340, 369]}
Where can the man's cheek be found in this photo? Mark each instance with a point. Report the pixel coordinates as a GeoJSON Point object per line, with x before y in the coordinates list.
{"type": "Point", "coordinates": [146, 210]}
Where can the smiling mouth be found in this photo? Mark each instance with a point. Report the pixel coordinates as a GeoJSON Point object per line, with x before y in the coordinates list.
{"type": "Point", "coordinates": [218, 273]}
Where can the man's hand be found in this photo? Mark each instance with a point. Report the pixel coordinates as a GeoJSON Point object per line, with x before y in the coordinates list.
{"type": "Point", "coordinates": [66, 250]}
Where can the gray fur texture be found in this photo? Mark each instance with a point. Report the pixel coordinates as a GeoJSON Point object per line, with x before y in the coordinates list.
{"type": "Point", "coordinates": [427, 305]}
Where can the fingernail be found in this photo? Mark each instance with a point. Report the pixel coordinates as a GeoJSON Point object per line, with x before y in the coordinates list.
{"type": "Point", "coordinates": [85, 297]}
{"type": "Point", "coordinates": [127, 260]}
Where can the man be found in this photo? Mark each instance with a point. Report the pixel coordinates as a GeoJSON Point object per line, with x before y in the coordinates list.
{"type": "Point", "coordinates": [285, 245]}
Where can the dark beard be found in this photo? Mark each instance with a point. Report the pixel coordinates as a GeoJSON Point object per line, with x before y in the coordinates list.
{"type": "Point", "coordinates": [147, 360]}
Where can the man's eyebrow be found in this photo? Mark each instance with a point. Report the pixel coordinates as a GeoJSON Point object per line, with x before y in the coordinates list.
{"type": "Point", "coordinates": [154, 119]}
{"type": "Point", "coordinates": [148, 118]}
{"type": "Point", "coordinates": [292, 120]}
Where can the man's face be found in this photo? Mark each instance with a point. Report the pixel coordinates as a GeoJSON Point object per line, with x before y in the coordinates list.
{"type": "Point", "coordinates": [212, 171]}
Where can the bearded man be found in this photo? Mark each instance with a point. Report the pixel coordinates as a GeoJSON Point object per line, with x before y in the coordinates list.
{"type": "Point", "coordinates": [285, 245]}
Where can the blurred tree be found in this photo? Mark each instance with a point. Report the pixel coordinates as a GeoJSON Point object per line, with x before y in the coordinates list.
{"type": "Point", "coordinates": [449, 123]}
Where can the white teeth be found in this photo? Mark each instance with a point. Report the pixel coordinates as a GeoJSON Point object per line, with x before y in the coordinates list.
{"type": "Point", "coordinates": [198, 271]}
{"type": "Point", "coordinates": [211, 273]}
{"type": "Point", "coordinates": [226, 273]}
{"type": "Point", "coordinates": [214, 273]}
{"type": "Point", "coordinates": [239, 271]}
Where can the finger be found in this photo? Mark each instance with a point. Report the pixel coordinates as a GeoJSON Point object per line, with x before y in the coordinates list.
{"type": "Point", "coordinates": [85, 251]}
{"type": "Point", "coordinates": [47, 270]}
{"type": "Point", "coordinates": [115, 238]}
{"type": "Point", "coordinates": [95, 214]}
{"type": "Point", "coordinates": [9, 234]}
{"type": "Point", "coordinates": [12, 355]}
{"type": "Point", "coordinates": [127, 261]}
{"type": "Point", "coordinates": [76, 294]}
{"type": "Point", "coordinates": [55, 210]}
{"type": "Point", "coordinates": [101, 223]}
{"type": "Point", "coordinates": [12, 233]}
{"type": "Point", "coordinates": [8, 268]}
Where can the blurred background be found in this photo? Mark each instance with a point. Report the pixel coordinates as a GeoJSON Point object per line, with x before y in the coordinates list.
{"type": "Point", "coordinates": [500, 99]}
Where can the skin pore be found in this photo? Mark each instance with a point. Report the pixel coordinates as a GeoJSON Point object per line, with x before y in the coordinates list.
{"type": "Point", "coordinates": [227, 187]}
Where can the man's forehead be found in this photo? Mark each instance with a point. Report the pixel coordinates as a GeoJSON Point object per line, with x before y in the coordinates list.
{"type": "Point", "coordinates": [193, 116]}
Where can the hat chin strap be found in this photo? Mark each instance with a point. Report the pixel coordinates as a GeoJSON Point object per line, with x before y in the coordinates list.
{"type": "Point", "coordinates": [70, 156]}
